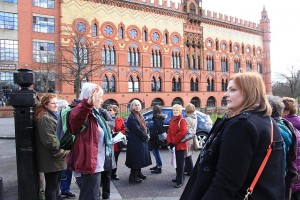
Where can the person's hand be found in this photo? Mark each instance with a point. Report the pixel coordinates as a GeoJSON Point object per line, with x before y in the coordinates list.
{"type": "Point", "coordinates": [171, 145]}
{"type": "Point", "coordinates": [93, 97]}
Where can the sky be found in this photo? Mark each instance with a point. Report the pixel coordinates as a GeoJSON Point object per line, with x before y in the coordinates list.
{"type": "Point", "coordinates": [284, 22]}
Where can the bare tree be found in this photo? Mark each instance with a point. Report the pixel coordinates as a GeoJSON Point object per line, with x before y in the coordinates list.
{"type": "Point", "coordinates": [79, 58]}
{"type": "Point", "coordinates": [45, 73]}
{"type": "Point", "coordinates": [289, 83]}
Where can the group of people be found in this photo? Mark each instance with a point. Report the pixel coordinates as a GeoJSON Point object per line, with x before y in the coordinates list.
{"type": "Point", "coordinates": [92, 157]}
{"type": "Point", "coordinates": [228, 167]}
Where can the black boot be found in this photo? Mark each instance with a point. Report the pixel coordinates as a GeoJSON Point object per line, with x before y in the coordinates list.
{"type": "Point", "coordinates": [156, 171]}
{"type": "Point", "coordinates": [153, 168]}
{"type": "Point", "coordinates": [140, 175]}
{"type": "Point", "coordinates": [133, 177]}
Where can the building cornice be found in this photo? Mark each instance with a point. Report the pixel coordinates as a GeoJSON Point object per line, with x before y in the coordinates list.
{"type": "Point", "coordinates": [143, 6]}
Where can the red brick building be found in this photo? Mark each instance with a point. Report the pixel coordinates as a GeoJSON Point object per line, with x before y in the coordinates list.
{"type": "Point", "coordinates": [154, 51]}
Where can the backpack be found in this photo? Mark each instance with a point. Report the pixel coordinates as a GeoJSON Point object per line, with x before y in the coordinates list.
{"type": "Point", "coordinates": [66, 138]}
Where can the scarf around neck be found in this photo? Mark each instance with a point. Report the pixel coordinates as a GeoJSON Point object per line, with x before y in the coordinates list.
{"type": "Point", "coordinates": [106, 130]}
{"type": "Point", "coordinates": [140, 119]}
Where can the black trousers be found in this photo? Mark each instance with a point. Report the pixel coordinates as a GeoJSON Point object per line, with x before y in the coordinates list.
{"type": "Point", "coordinates": [180, 166]}
{"type": "Point", "coordinates": [52, 188]}
{"type": "Point", "coordinates": [114, 171]}
{"type": "Point", "coordinates": [189, 164]}
{"type": "Point", "coordinates": [105, 182]}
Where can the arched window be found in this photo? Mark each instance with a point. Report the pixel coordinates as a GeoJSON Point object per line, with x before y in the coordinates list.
{"type": "Point", "coordinates": [224, 85]}
{"type": "Point", "coordinates": [176, 61]}
{"type": "Point", "coordinates": [199, 63]}
{"type": "Point", "coordinates": [177, 100]}
{"type": "Point", "coordinates": [224, 102]}
{"type": "Point", "coordinates": [194, 85]}
{"type": "Point", "coordinates": [112, 84]}
{"type": "Point", "coordinates": [194, 62]}
{"type": "Point", "coordinates": [196, 102]}
{"type": "Point", "coordinates": [243, 49]}
{"type": "Point", "coordinates": [157, 102]}
{"type": "Point", "coordinates": [248, 65]}
{"type": "Point", "coordinates": [133, 55]}
{"type": "Point", "coordinates": [81, 53]}
{"type": "Point", "coordinates": [187, 61]}
{"type": "Point", "coordinates": [105, 84]}
{"type": "Point", "coordinates": [166, 38]}
{"type": "Point", "coordinates": [95, 30]}
{"type": "Point", "coordinates": [133, 84]}
{"type": "Point", "coordinates": [155, 85]}
{"type": "Point", "coordinates": [176, 85]}
{"type": "Point", "coordinates": [121, 32]}
{"type": "Point", "coordinates": [210, 85]}
{"type": "Point", "coordinates": [259, 67]}
{"type": "Point", "coordinates": [224, 63]}
{"type": "Point", "coordinates": [108, 54]}
{"type": "Point", "coordinates": [145, 36]}
{"type": "Point", "coordinates": [237, 64]}
{"type": "Point", "coordinates": [210, 62]}
{"type": "Point", "coordinates": [211, 102]}
{"type": "Point", "coordinates": [156, 57]}
{"type": "Point", "coordinates": [109, 102]}
{"type": "Point", "coordinates": [109, 86]}
{"type": "Point", "coordinates": [192, 8]}
{"type": "Point", "coordinates": [217, 45]}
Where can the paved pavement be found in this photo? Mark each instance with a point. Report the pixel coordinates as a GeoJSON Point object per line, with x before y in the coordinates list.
{"type": "Point", "coordinates": [155, 187]}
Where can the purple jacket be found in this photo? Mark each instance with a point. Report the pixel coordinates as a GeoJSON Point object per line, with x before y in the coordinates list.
{"type": "Point", "coordinates": [296, 186]}
{"type": "Point", "coordinates": [295, 120]}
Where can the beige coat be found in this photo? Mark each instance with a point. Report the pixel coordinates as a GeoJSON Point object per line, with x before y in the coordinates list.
{"type": "Point", "coordinates": [50, 157]}
{"type": "Point", "coordinates": [191, 120]}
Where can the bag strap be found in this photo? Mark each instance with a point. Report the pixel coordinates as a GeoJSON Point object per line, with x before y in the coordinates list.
{"type": "Point", "coordinates": [179, 122]}
{"type": "Point", "coordinates": [262, 165]}
{"type": "Point", "coordinates": [82, 127]}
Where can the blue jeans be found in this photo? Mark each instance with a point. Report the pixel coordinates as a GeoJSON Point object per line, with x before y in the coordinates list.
{"type": "Point", "coordinates": [156, 154]}
{"type": "Point", "coordinates": [65, 181]}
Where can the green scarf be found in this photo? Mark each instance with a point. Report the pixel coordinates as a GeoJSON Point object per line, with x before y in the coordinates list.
{"type": "Point", "coordinates": [106, 130]}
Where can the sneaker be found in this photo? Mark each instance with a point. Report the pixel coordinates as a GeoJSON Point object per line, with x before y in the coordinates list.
{"type": "Point", "coordinates": [115, 177]}
{"type": "Point", "coordinates": [68, 195]}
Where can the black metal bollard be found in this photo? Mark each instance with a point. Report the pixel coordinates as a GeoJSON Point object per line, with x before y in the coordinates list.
{"type": "Point", "coordinates": [23, 102]}
{"type": "Point", "coordinates": [1, 189]}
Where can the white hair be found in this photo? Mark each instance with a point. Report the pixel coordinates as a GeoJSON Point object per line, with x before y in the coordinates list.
{"type": "Point", "coordinates": [87, 89]}
{"type": "Point", "coordinates": [134, 102]}
{"type": "Point", "coordinates": [62, 103]}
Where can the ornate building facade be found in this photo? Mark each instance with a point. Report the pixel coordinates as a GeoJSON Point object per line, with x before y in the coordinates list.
{"type": "Point", "coordinates": [156, 52]}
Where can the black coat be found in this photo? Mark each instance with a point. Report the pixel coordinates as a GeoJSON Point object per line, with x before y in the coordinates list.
{"type": "Point", "coordinates": [137, 153]}
{"type": "Point", "coordinates": [157, 128]}
{"type": "Point", "coordinates": [231, 158]}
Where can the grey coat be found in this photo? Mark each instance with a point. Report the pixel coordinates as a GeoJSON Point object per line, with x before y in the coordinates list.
{"type": "Point", "coordinates": [50, 157]}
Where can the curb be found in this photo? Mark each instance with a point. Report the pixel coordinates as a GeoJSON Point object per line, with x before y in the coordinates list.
{"type": "Point", "coordinates": [7, 137]}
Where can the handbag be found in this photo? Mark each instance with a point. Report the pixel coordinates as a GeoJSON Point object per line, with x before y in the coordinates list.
{"type": "Point", "coordinates": [162, 137]}
{"type": "Point", "coordinates": [195, 145]}
{"type": "Point", "coordinates": [122, 144]}
{"type": "Point", "coordinates": [189, 134]}
{"type": "Point", "coordinates": [262, 166]}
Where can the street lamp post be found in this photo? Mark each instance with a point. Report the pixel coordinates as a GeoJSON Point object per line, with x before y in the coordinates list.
{"type": "Point", "coordinates": [23, 102]}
